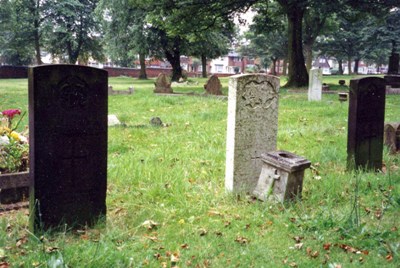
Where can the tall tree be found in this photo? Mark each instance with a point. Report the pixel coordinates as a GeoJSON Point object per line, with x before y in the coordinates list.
{"type": "Point", "coordinates": [127, 33]}
{"type": "Point", "coordinates": [15, 42]}
{"type": "Point", "coordinates": [268, 34]}
{"type": "Point", "coordinates": [75, 31]}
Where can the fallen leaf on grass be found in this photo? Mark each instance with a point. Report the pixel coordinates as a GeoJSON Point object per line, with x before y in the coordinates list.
{"type": "Point", "coordinates": [21, 241]}
{"type": "Point", "coordinates": [298, 239]}
{"type": "Point", "coordinates": [327, 246]}
{"type": "Point", "coordinates": [389, 257]}
{"type": "Point", "coordinates": [51, 249]}
{"type": "Point", "coordinates": [185, 246]}
{"type": "Point", "coordinates": [175, 258]}
{"type": "Point", "coordinates": [293, 264]}
{"type": "Point", "coordinates": [149, 224]}
{"type": "Point", "coordinates": [298, 245]}
{"type": "Point", "coordinates": [242, 240]}
{"type": "Point", "coordinates": [314, 254]}
{"type": "Point", "coordinates": [378, 214]}
{"type": "Point", "coordinates": [218, 233]}
{"type": "Point", "coordinates": [157, 256]}
{"type": "Point", "coordinates": [353, 250]}
{"type": "Point", "coordinates": [202, 232]}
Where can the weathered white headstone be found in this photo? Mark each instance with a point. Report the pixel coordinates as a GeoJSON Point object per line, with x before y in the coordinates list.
{"type": "Point", "coordinates": [315, 85]}
{"type": "Point", "coordinates": [252, 128]}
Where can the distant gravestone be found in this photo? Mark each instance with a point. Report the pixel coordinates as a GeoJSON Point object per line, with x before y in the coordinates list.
{"type": "Point", "coordinates": [392, 83]}
{"type": "Point", "coordinates": [393, 63]}
{"type": "Point", "coordinates": [111, 91]}
{"type": "Point", "coordinates": [162, 84]}
{"type": "Point", "coordinates": [252, 128]}
{"type": "Point", "coordinates": [392, 137]}
{"type": "Point", "coordinates": [68, 145]}
{"type": "Point", "coordinates": [213, 86]}
{"type": "Point", "coordinates": [366, 123]}
{"type": "Point", "coordinates": [315, 85]}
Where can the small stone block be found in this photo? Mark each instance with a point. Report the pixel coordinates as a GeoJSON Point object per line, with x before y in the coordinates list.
{"type": "Point", "coordinates": [113, 120]}
{"type": "Point", "coordinates": [281, 176]}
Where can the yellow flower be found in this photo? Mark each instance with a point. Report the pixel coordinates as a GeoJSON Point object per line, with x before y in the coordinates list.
{"type": "Point", "coordinates": [15, 136]}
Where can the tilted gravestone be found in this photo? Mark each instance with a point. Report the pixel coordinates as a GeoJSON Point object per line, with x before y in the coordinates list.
{"type": "Point", "coordinates": [162, 84]}
{"type": "Point", "coordinates": [315, 85]}
{"type": "Point", "coordinates": [252, 128]}
{"type": "Point", "coordinates": [365, 123]}
{"type": "Point", "coordinates": [68, 145]}
{"type": "Point", "coordinates": [213, 86]}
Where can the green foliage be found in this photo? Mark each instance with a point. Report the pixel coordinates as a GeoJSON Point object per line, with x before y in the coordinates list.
{"type": "Point", "coordinates": [15, 34]}
{"type": "Point", "coordinates": [74, 31]}
{"type": "Point", "coordinates": [14, 157]}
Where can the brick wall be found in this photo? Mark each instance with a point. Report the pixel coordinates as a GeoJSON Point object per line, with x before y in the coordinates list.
{"type": "Point", "coordinates": [7, 71]}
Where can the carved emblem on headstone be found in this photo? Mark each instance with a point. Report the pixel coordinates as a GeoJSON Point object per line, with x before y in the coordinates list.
{"type": "Point", "coordinates": [73, 93]}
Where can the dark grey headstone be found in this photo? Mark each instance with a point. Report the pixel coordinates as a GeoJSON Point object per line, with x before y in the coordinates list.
{"type": "Point", "coordinates": [366, 122]}
{"type": "Point", "coordinates": [394, 64]}
{"type": "Point", "coordinates": [68, 145]}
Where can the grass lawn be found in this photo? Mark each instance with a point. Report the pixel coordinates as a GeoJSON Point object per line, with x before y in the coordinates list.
{"type": "Point", "coordinates": [174, 176]}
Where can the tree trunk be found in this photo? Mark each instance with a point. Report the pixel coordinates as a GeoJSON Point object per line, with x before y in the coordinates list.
{"type": "Point", "coordinates": [203, 66]}
{"type": "Point", "coordinates": [284, 69]}
{"type": "Point", "coordinates": [37, 42]}
{"type": "Point", "coordinates": [298, 76]}
{"type": "Point", "coordinates": [356, 63]}
{"type": "Point", "coordinates": [142, 61]}
{"type": "Point", "coordinates": [273, 66]}
{"type": "Point", "coordinates": [349, 64]}
{"type": "Point", "coordinates": [308, 50]}
{"type": "Point", "coordinates": [340, 62]}
{"type": "Point", "coordinates": [174, 58]}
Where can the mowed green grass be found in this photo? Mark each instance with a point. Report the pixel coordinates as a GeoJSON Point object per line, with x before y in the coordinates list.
{"type": "Point", "coordinates": [174, 176]}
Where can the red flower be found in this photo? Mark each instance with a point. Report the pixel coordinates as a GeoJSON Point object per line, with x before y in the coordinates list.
{"type": "Point", "coordinates": [11, 113]}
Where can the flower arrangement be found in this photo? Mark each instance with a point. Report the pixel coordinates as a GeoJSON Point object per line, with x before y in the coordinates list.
{"type": "Point", "coordinates": [14, 146]}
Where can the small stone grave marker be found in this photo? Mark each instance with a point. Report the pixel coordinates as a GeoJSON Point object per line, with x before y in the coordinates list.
{"type": "Point", "coordinates": [252, 128]}
{"type": "Point", "coordinates": [366, 123]}
{"type": "Point", "coordinates": [213, 86]}
{"type": "Point", "coordinates": [111, 91]}
{"type": "Point", "coordinates": [68, 146]}
{"type": "Point", "coordinates": [392, 137]}
{"type": "Point", "coordinates": [315, 85]}
{"type": "Point", "coordinates": [162, 84]}
{"type": "Point", "coordinates": [112, 120]}
{"type": "Point", "coordinates": [281, 177]}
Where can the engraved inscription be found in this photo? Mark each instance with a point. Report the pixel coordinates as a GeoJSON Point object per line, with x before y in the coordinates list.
{"type": "Point", "coordinates": [73, 93]}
